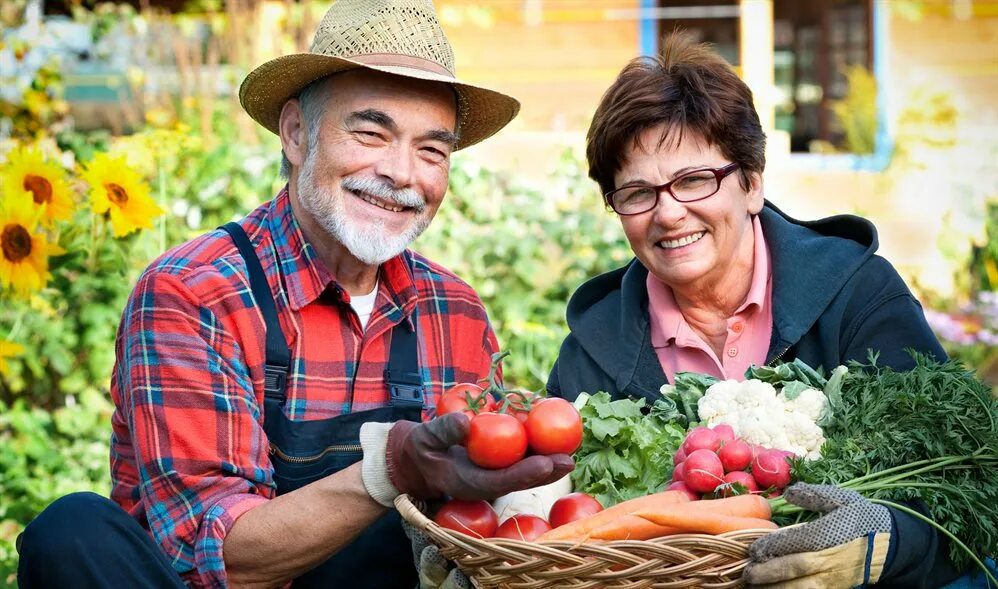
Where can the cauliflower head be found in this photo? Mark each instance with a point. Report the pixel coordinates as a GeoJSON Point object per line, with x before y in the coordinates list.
{"type": "Point", "coordinates": [760, 416]}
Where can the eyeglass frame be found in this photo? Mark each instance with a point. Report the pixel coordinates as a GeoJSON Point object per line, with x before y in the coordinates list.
{"type": "Point", "coordinates": [719, 173]}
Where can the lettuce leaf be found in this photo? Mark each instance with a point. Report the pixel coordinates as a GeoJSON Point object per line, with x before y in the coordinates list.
{"type": "Point", "coordinates": [627, 448]}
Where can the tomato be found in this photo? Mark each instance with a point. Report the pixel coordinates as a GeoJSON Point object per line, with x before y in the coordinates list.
{"type": "Point", "coordinates": [522, 527]}
{"type": "Point", "coordinates": [496, 440]}
{"type": "Point", "coordinates": [572, 507]}
{"type": "Point", "coordinates": [475, 518]}
{"type": "Point", "coordinates": [517, 406]}
{"type": "Point", "coordinates": [554, 427]}
{"type": "Point", "coordinates": [456, 399]}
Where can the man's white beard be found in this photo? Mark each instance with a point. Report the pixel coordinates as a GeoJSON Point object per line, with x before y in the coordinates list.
{"type": "Point", "coordinates": [369, 243]}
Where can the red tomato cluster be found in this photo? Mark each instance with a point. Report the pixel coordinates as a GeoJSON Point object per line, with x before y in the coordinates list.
{"type": "Point", "coordinates": [502, 431]}
{"type": "Point", "coordinates": [478, 519]}
{"type": "Point", "coordinates": [711, 461]}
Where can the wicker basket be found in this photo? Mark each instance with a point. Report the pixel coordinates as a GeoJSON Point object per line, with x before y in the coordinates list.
{"type": "Point", "coordinates": [686, 560]}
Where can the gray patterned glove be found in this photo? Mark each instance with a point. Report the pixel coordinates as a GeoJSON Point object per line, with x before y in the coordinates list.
{"type": "Point", "coordinates": [846, 547]}
{"type": "Point", "coordinates": [435, 571]}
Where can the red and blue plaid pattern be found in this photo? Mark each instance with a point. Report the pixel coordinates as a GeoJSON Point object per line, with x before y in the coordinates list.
{"type": "Point", "coordinates": [188, 449]}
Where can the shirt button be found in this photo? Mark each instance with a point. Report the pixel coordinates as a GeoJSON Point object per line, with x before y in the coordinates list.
{"type": "Point", "coordinates": [732, 352]}
{"type": "Point", "coordinates": [737, 327]}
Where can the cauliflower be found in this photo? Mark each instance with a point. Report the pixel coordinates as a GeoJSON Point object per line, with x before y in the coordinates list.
{"type": "Point", "coordinates": [761, 416]}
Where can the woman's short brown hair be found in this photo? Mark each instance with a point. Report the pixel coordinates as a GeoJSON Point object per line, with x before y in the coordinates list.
{"type": "Point", "coordinates": [687, 88]}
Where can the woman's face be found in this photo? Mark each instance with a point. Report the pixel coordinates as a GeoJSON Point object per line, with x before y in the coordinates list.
{"type": "Point", "coordinates": [696, 245]}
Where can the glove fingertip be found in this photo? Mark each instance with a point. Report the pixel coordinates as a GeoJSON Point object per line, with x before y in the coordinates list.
{"type": "Point", "coordinates": [450, 429]}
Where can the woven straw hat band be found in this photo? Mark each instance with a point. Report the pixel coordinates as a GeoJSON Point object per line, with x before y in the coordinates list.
{"type": "Point", "coordinates": [364, 30]}
{"type": "Point", "coordinates": [388, 60]}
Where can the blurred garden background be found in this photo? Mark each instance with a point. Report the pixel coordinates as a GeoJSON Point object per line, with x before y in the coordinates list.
{"type": "Point", "coordinates": [121, 122]}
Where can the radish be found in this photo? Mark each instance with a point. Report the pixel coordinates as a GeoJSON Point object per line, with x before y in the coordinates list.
{"type": "Point", "coordinates": [725, 432]}
{"type": "Point", "coordinates": [743, 478]}
{"type": "Point", "coordinates": [703, 471]}
{"type": "Point", "coordinates": [701, 438]}
{"type": "Point", "coordinates": [679, 472]}
{"type": "Point", "coordinates": [681, 486]}
{"type": "Point", "coordinates": [771, 469]}
{"type": "Point", "coordinates": [735, 455]}
{"type": "Point", "coordinates": [679, 456]}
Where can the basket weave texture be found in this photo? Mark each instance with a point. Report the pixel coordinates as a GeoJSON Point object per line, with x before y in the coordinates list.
{"type": "Point", "coordinates": [684, 560]}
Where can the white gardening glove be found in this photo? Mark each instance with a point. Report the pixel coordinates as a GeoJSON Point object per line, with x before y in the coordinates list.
{"type": "Point", "coordinates": [435, 571]}
{"type": "Point", "coordinates": [847, 547]}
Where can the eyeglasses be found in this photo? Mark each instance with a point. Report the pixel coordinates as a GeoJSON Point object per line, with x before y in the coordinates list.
{"type": "Point", "coordinates": [690, 187]}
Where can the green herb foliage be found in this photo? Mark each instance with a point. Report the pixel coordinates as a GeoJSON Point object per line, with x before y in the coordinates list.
{"type": "Point", "coordinates": [930, 434]}
{"type": "Point", "coordinates": [626, 448]}
{"type": "Point", "coordinates": [683, 396]}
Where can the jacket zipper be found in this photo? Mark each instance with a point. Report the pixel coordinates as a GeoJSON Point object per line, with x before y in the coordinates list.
{"type": "Point", "coordinates": [778, 356]}
{"type": "Point", "coordinates": [303, 459]}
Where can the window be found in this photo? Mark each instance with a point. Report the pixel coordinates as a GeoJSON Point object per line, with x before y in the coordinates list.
{"type": "Point", "coordinates": [709, 21]}
{"type": "Point", "coordinates": [814, 42]}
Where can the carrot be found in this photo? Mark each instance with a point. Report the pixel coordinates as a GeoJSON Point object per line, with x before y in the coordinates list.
{"type": "Point", "coordinates": [630, 527]}
{"type": "Point", "coordinates": [713, 516]}
{"type": "Point", "coordinates": [705, 522]}
{"type": "Point", "coordinates": [656, 518]}
{"type": "Point", "coordinates": [581, 529]}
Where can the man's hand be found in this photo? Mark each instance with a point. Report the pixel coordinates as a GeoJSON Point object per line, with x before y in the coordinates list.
{"type": "Point", "coordinates": [426, 460]}
{"type": "Point", "coordinates": [847, 547]}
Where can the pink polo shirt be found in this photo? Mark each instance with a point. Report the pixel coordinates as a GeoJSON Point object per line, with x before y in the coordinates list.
{"type": "Point", "coordinates": [680, 349]}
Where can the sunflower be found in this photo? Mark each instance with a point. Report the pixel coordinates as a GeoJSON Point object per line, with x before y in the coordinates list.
{"type": "Point", "coordinates": [119, 190]}
{"type": "Point", "coordinates": [8, 350]}
{"type": "Point", "coordinates": [45, 180]}
{"type": "Point", "coordinates": [24, 253]}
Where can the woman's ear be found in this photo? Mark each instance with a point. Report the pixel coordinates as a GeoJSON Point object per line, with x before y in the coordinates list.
{"type": "Point", "coordinates": [756, 195]}
{"type": "Point", "coordinates": [294, 135]}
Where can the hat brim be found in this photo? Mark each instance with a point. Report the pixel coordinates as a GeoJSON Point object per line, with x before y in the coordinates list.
{"type": "Point", "coordinates": [481, 112]}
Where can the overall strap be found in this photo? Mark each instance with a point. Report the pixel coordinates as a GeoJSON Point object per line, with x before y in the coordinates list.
{"type": "Point", "coordinates": [405, 384]}
{"type": "Point", "coordinates": [277, 360]}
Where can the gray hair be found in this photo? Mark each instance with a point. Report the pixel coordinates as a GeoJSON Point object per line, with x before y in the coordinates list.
{"type": "Point", "coordinates": [311, 100]}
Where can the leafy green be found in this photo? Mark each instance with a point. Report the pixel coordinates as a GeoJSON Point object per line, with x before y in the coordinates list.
{"type": "Point", "coordinates": [627, 448]}
{"type": "Point", "coordinates": [926, 434]}
{"type": "Point", "coordinates": [682, 395]}
{"type": "Point", "coordinates": [788, 374]}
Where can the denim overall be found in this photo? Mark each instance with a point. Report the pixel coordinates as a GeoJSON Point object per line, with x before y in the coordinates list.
{"type": "Point", "coordinates": [306, 451]}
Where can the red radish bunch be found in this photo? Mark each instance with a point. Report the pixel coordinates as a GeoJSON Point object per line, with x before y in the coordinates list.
{"type": "Point", "coordinates": [712, 461]}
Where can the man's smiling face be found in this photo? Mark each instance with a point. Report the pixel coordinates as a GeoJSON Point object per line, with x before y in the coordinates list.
{"type": "Point", "coordinates": [376, 172]}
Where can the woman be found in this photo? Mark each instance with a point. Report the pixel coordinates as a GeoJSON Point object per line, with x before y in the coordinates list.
{"type": "Point", "coordinates": [722, 279]}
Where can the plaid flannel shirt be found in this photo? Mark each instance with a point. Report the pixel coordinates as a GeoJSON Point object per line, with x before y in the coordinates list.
{"type": "Point", "coordinates": [188, 450]}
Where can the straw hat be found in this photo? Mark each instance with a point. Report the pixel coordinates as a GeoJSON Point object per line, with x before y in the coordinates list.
{"type": "Point", "coordinates": [401, 37]}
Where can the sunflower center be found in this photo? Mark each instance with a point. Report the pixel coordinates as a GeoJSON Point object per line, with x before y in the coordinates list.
{"type": "Point", "coordinates": [39, 187]}
{"type": "Point", "coordinates": [15, 242]}
{"type": "Point", "coordinates": [116, 193]}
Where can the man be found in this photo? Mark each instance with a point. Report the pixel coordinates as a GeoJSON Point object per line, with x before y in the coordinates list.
{"type": "Point", "coordinates": [271, 376]}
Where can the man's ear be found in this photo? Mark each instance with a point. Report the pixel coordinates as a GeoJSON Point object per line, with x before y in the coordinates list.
{"type": "Point", "coordinates": [756, 195]}
{"type": "Point", "coordinates": [294, 135]}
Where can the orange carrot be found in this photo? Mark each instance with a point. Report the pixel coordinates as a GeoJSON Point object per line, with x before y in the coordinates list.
{"type": "Point", "coordinates": [714, 516]}
{"type": "Point", "coordinates": [581, 529]}
{"type": "Point", "coordinates": [705, 522]}
{"type": "Point", "coordinates": [739, 505]}
{"type": "Point", "coordinates": [630, 527]}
